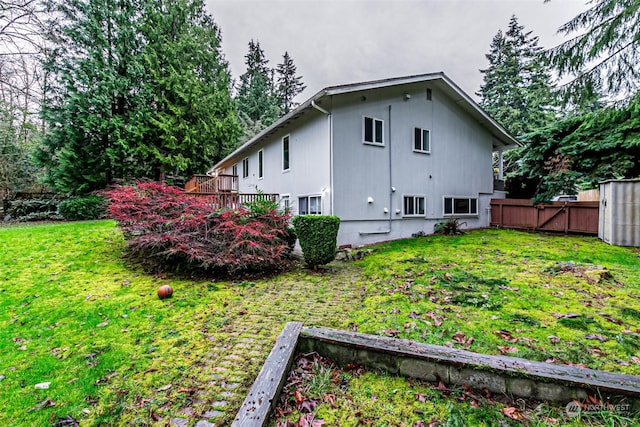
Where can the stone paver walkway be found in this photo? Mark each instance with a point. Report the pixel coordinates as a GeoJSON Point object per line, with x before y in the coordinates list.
{"type": "Point", "coordinates": [241, 346]}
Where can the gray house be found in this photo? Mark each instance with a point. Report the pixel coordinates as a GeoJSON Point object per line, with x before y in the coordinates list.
{"type": "Point", "coordinates": [390, 158]}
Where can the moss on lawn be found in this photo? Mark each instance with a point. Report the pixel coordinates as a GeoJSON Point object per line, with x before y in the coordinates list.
{"type": "Point", "coordinates": [567, 299]}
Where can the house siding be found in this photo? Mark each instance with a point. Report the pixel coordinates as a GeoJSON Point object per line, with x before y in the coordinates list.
{"type": "Point", "coordinates": [459, 163]}
{"type": "Point", "coordinates": [308, 172]}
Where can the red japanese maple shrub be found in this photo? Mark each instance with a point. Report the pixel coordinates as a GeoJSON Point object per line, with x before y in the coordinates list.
{"type": "Point", "coordinates": [184, 232]}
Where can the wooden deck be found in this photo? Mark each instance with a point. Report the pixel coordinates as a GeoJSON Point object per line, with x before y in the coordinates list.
{"type": "Point", "coordinates": [222, 191]}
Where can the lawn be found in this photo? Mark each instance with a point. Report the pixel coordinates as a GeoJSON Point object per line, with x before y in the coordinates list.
{"type": "Point", "coordinates": [73, 314]}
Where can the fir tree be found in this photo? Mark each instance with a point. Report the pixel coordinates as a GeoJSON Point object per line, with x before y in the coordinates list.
{"type": "Point", "coordinates": [605, 57]}
{"type": "Point", "coordinates": [516, 90]}
{"type": "Point", "coordinates": [92, 92]}
{"type": "Point", "coordinates": [256, 93]}
{"type": "Point", "coordinates": [135, 88]}
{"type": "Point", "coordinates": [192, 123]}
{"type": "Point", "coordinates": [289, 85]}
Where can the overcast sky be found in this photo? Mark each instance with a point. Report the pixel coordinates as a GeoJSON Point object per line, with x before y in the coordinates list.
{"type": "Point", "coordinates": [338, 42]}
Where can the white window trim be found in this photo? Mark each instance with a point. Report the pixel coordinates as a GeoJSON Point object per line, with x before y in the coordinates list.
{"type": "Point", "coordinates": [261, 164]}
{"type": "Point", "coordinates": [422, 215]}
{"type": "Point", "coordinates": [308, 196]}
{"type": "Point", "coordinates": [234, 169]}
{"type": "Point", "coordinates": [376, 144]}
{"type": "Point", "coordinates": [245, 171]}
{"type": "Point", "coordinates": [414, 140]}
{"type": "Point", "coordinates": [452, 207]}
{"type": "Point", "coordinates": [282, 146]}
{"type": "Point", "coordinates": [282, 197]}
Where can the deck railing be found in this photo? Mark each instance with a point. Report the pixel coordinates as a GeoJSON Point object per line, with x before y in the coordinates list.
{"type": "Point", "coordinates": [205, 184]}
{"type": "Point", "coordinates": [235, 200]}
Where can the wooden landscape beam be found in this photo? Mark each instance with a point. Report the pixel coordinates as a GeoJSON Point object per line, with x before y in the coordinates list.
{"type": "Point", "coordinates": [264, 393]}
{"type": "Point", "coordinates": [500, 374]}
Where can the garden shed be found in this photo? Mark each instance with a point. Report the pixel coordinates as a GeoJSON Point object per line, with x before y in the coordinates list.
{"type": "Point", "coordinates": [619, 222]}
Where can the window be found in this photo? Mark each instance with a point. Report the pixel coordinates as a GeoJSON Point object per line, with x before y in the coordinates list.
{"type": "Point", "coordinates": [234, 170]}
{"type": "Point", "coordinates": [285, 153]}
{"type": "Point", "coordinates": [413, 205]}
{"type": "Point", "coordinates": [421, 140]}
{"type": "Point", "coordinates": [245, 167]}
{"type": "Point", "coordinates": [373, 130]}
{"type": "Point", "coordinates": [460, 206]}
{"type": "Point", "coordinates": [310, 205]}
{"type": "Point", "coordinates": [285, 203]}
{"type": "Point", "coordinates": [260, 164]}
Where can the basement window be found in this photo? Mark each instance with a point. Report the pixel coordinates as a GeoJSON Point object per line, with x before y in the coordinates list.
{"type": "Point", "coordinates": [373, 130]}
{"type": "Point", "coordinates": [460, 206]}
{"type": "Point", "coordinates": [413, 206]}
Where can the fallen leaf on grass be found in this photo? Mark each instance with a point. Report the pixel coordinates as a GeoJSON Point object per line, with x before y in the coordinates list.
{"type": "Point", "coordinates": [554, 339]}
{"type": "Point", "coordinates": [506, 335]}
{"type": "Point", "coordinates": [308, 420]}
{"type": "Point", "coordinates": [596, 352]}
{"type": "Point", "coordinates": [67, 421]}
{"type": "Point", "coordinates": [391, 332]}
{"type": "Point", "coordinates": [330, 399]}
{"type": "Point", "coordinates": [437, 320]}
{"type": "Point", "coordinates": [635, 359]}
{"type": "Point", "coordinates": [504, 349]}
{"type": "Point", "coordinates": [44, 404]}
{"type": "Point", "coordinates": [298, 397]}
{"type": "Point", "coordinates": [102, 324]}
{"type": "Point", "coordinates": [513, 413]}
{"type": "Point", "coordinates": [611, 318]}
{"type": "Point", "coordinates": [164, 387]}
{"type": "Point", "coordinates": [565, 316]}
{"type": "Point", "coordinates": [421, 397]}
{"type": "Point", "coordinates": [596, 337]}
{"type": "Point", "coordinates": [106, 378]}
{"type": "Point", "coordinates": [442, 387]}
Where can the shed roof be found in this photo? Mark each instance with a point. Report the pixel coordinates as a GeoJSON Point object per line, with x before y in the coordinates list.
{"type": "Point", "coordinates": [502, 137]}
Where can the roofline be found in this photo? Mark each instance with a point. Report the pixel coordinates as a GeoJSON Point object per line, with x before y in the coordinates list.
{"type": "Point", "coordinates": [508, 140]}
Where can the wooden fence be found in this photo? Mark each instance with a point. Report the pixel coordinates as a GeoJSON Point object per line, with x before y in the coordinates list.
{"type": "Point", "coordinates": [565, 217]}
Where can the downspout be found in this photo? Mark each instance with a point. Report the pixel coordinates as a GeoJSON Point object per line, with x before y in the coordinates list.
{"type": "Point", "coordinates": [388, 230]}
{"type": "Point", "coordinates": [330, 125]}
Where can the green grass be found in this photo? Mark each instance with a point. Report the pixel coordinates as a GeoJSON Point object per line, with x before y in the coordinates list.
{"type": "Point", "coordinates": [72, 313]}
{"type": "Point", "coordinates": [575, 289]}
{"type": "Point", "coordinates": [379, 399]}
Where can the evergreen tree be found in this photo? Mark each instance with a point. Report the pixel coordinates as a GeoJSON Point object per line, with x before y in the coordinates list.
{"type": "Point", "coordinates": [193, 121]}
{"type": "Point", "coordinates": [289, 85]}
{"type": "Point", "coordinates": [256, 93]}
{"type": "Point", "coordinates": [606, 56]}
{"type": "Point", "coordinates": [92, 92]}
{"type": "Point", "coordinates": [136, 88]}
{"type": "Point", "coordinates": [516, 90]}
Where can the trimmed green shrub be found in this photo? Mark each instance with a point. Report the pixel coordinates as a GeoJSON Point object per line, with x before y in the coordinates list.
{"type": "Point", "coordinates": [82, 208]}
{"type": "Point", "coordinates": [32, 210]}
{"type": "Point", "coordinates": [317, 235]}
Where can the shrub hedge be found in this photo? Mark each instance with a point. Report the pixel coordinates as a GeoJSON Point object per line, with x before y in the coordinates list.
{"type": "Point", "coordinates": [82, 208]}
{"type": "Point", "coordinates": [317, 235]}
{"type": "Point", "coordinates": [33, 210]}
{"type": "Point", "coordinates": [181, 232]}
